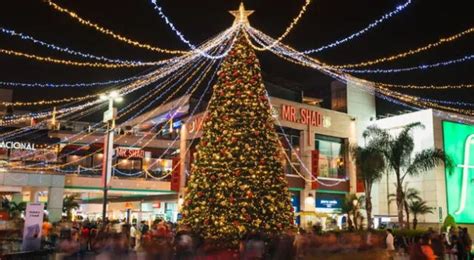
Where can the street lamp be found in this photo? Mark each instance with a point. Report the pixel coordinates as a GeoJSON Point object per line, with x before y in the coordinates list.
{"type": "Point", "coordinates": [109, 117]}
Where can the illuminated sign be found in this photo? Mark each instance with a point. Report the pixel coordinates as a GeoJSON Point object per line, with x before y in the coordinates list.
{"type": "Point", "coordinates": [328, 203]}
{"type": "Point", "coordinates": [130, 153]}
{"type": "Point", "coordinates": [17, 145]}
{"type": "Point", "coordinates": [304, 116]}
{"type": "Point", "coordinates": [459, 146]}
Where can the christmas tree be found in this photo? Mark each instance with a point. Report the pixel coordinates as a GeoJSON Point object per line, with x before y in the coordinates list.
{"type": "Point", "coordinates": [237, 184]}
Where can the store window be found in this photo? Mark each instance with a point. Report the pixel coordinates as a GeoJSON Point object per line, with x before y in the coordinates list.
{"type": "Point", "coordinates": [332, 156]}
{"type": "Point", "coordinates": [291, 144]}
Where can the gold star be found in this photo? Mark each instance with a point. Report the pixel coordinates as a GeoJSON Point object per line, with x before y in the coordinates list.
{"type": "Point", "coordinates": [241, 15]}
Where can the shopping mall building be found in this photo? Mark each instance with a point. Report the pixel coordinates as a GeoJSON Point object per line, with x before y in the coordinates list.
{"type": "Point", "coordinates": [153, 154]}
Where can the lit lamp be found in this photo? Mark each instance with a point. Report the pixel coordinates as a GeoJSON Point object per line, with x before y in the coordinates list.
{"type": "Point", "coordinates": [355, 202]}
{"type": "Point", "coordinates": [309, 201]}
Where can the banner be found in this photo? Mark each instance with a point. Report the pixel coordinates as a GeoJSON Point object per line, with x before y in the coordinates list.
{"type": "Point", "coordinates": [175, 174]}
{"type": "Point", "coordinates": [32, 231]}
{"type": "Point", "coordinates": [314, 168]}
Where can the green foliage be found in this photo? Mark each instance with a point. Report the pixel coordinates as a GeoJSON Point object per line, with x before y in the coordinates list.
{"type": "Point", "coordinates": [237, 184]}
{"type": "Point", "coordinates": [449, 221]}
{"type": "Point", "coordinates": [69, 203]}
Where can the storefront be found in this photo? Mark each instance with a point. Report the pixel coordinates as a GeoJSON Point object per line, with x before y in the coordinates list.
{"type": "Point", "coordinates": [447, 191]}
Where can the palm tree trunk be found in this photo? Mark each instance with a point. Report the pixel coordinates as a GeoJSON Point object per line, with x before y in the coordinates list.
{"type": "Point", "coordinates": [354, 214]}
{"type": "Point", "coordinates": [399, 199]}
{"type": "Point", "coordinates": [368, 209]}
{"type": "Point", "coordinates": [407, 212]}
{"type": "Point", "coordinates": [415, 221]}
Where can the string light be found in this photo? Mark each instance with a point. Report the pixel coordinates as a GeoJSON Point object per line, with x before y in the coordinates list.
{"type": "Point", "coordinates": [303, 60]}
{"type": "Point", "coordinates": [68, 50]}
{"type": "Point", "coordinates": [111, 33]}
{"type": "Point", "coordinates": [74, 161]}
{"type": "Point", "coordinates": [440, 87]}
{"type": "Point", "coordinates": [181, 36]}
{"type": "Point", "coordinates": [419, 67]}
{"type": "Point", "coordinates": [407, 53]}
{"type": "Point", "coordinates": [287, 30]}
{"type": "Point", "coordinates": [366, 29]}
{"type": "Point", "coordinates": [79, 63]}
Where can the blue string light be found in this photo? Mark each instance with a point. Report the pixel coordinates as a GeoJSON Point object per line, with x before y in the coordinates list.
{"type": "Point", "coordinates": [359, 33]}
{"type": "Point", "coordinates": [183, 39]}
{"type": "Point", "coordinates": [74, 52]}
{"type": "Point", "coordinates": [419, 67]}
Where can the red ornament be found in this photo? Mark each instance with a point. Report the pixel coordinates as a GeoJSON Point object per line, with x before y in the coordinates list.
{"type": "Point", "coordinates": [236, 73]}
{"type": "Point", "coordinates": [249, 194]}
{"type": "Point", "coordinates": [219, 139]}
{"type": "Point", "coordinates": [204, 143]}
{"type": "Point", "coordinates": [257, 133]}
{"type": "Point", "coordinates": [231, 199]}
{"type": "Point", "coordinates": [200, 194]}
{"type": "Point", "coordinates": [236, 223]}
{"type": "Point", "coordinates": [262, 162]}
{"type": "Point", "coordinates": [237, 173]}
{"type": "Point", "coordinates": [213, 178]}
{"type": "Point", "coordinates": [234, 139]}
{"type": "Point", "coordinates": [206, 222]}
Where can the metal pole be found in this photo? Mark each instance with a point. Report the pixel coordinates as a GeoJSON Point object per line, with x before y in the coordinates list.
{"type": "Point", "coordinates": [107, 162]}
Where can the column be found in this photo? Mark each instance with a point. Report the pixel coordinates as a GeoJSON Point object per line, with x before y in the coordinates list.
{"type": "Point", "coordinates": [308, 206]}
{"type": "Point", "coordinates": [183, 161]}
{"type": "Point", "coordinates": [55, 203]}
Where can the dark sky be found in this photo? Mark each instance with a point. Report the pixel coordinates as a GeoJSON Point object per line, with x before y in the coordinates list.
{"type": "Point", "coordinates": [424, 21]}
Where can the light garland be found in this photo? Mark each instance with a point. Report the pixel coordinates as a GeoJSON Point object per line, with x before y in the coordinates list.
{"type": "Point", "coordinates": [439, 87]}
{"type": "Point", "coordinates": [303, 60]}
{"type": "Point", "coordinates": [419, 67]}
{"type": "Point", "coordinates": [372, 25]}
{"type": "Point", "coordinates": [111, 33]}
{"type": "Point", "coordinates": [287, 30]}
{"type": "Point", "coordinates": [120, 137]}
{"type": "Point", "coordinates": [406, 53]}
{"type": "Point", "coordinates": [69, 50]}
{"type": "Point", "coordinates": [79, 63]}
{"type": "Point", "coordinates": [181, 36]}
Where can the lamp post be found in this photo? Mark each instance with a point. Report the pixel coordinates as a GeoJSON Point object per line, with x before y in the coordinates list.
{"type": "Point", "coordinates": [109, 118]}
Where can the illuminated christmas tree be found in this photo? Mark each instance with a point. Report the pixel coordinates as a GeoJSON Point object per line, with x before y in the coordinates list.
{"type": "Point", "coordinates": [237, 184]}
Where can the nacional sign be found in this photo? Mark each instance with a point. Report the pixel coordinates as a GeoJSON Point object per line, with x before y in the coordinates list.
{"type": "Point", "coordinates": [17, 145]}
{"type": "Point", "coordinates": [304, 116]}
{"type": "Point", "coordinates": [459, 146]}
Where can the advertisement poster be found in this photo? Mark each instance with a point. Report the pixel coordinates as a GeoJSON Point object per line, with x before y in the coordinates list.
{"type": "Point", "coordinates": [459, 146]}
{"type": "Point", "coordinates": [32, 231]}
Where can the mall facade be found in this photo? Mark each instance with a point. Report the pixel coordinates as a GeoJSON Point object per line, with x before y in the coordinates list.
{"type": "Point", "coordinates": [153, 154]}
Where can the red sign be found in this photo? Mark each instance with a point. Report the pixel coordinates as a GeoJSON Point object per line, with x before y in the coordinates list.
{"type": "Point", "coordinates": [175, 174]}
{"type": "Point", "coordinates": [130, 153]}
{"type": "Point", "coordinates": [4, 215]}
{"type": "Point", "coordinates": [314, 168]}
{"type": "Point", "coordinates": [196, 125]}
{"type": "Point", "coordinates": [304, 116]}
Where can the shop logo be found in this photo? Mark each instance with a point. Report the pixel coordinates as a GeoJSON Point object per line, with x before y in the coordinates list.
{"type": "Point", "coordinates": [466, 166]}
{"type": "Point", "coordinates": [17, 145]}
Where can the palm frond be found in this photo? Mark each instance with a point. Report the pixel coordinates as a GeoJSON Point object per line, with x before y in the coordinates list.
{"type": "Point", "coordinates": [426, 160]}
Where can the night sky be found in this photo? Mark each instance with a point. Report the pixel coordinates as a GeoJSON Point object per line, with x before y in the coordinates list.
{"type": "Point", "coordinates": [424, 21]}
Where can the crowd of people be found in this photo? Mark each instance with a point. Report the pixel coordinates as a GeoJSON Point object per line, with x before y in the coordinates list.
{"type": "Point", "coordinates": [164, 240]}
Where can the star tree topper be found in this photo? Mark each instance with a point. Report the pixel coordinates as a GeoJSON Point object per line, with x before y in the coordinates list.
{"type": "Point", "coordinates": [241, 15]}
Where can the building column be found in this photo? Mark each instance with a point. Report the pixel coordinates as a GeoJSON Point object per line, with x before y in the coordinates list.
{"type": "Point", "coordinates": [55, 204]}
{"type": "Point", "coordinates": [183, 161]}
{"type": "Point", "coordinates": [308, 206]}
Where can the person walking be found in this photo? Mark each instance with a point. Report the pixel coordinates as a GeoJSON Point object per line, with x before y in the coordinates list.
{"type": "Point", "coordinates": [389, 243]}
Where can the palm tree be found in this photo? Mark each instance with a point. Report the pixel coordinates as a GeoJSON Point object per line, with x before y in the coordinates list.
{"type": "Point", "coordinates": [16, 209]}
{"type": "Point", "coordinates": [69, 203]}
{"type": "Point", "coordinates": [351, 206]}
{"type": "Point", "coordinates": [370, 165]}
{"type": "Point", "coordinates": [409, 195]}
{"type": "Point", "coordinates": [398, 153]}
{"type": "Point", "coordinates": [419, 207]}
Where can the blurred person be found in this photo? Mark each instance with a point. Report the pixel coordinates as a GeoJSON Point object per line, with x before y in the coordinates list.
{"type": "Point", "coordinates": [301, 243]}
{"type": "Point", "coordinates": [389, 242]}
{"type": "Point", "coordinates": [133, 236]}
{"type": "Point", "coordinates": [184, 244]}
{"type": "Point", "coordinates": [253, 247]}
{"type": "Point", "coordinates": [416, 253]}
{"type": "Point", "coordinates": [467, 241]}
{"type": "Point", "coordinates": [426, 247]}
{"type": "Point", "coordinates": [68, 245]}
{"type": "Point", "coordinates": [438, 245]}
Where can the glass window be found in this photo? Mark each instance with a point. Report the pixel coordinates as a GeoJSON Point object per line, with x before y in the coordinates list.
{"type": "Point", "coordinates": [331, 162]}
{"type": "Point", "coordinates": [292, 149]}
